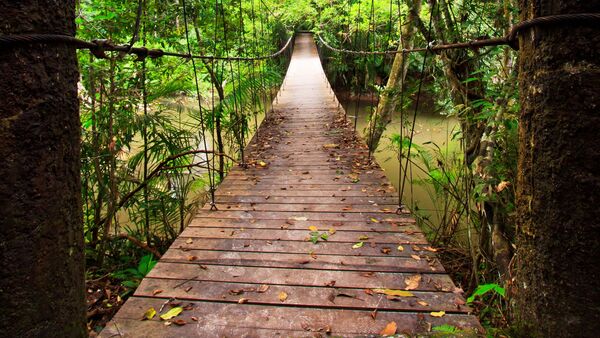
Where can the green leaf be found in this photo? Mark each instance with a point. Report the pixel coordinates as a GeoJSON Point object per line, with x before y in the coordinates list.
{"type": "Point", "coordinates": [485, 288]}
{"type": "Point", "coordinates": [446, 328]}
{"type": "Point", "coordinates": [358, 245]}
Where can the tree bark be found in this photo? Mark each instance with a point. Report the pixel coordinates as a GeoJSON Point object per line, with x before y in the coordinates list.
{"type": "Point", "coordinates": [558, 274]}
{"type": "Point", "coordinates": [389, 99]}
{"type": "Point", "coordinates": [42, 288]}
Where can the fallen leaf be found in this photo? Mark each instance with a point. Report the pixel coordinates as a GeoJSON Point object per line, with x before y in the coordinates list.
{"type": "Point", "coordinates": [386, 250]}
{"type": "Point", "coordinates": [331, 145]}
{"type": "Point", "coordinates": [330, 283]}
{"type": "Point", "coordinates": [389, 330]}
{"type": "Point", "coordinates": [400, 248]}
{"type": "Point", "coordinates": [192, 258]}
{"type": "Point", "coordinates": [242, 300]}
{"type": "Point", "coordinates": [374, 220]}
{"type": "Point", "coordinates": [412, 282]}
{"type": "Point", "coordinates": [368, 292]}
{"type": "Point", "coordinates": [179, 322]}
{"type": "Point", "coordinates": [299, 218]}
{"type": "Point", "coordinates": [149, 314]}
{"type": "Point", "coordinates": [313, 255]}
{"type": "Point", "coordinates": [283, 296]}
{"type": "Point", "coordinates": [358, 245]}
{"type": "Point", "coordinates": [363, 238]}
{"type": "Point", "coordinates": [423, 303]}
{"type": "Point", "coordinates": [236, 291]}
{"type": "Point", "coordinates": [263, 288]}
{"type": "Point", "coordinates": [174, 312]}
{"type": "Point", "coordinates": [332, 231]}
{"type": "Point", "coordinates": [262, 164]}
{"type": "Point", "coordinates": [313, 228]}
{"type": "Point", "coordinates": [392, 292]}
{"type": "Point", "coordinates": [415, 257]}
{"type": "Point", "coordinates": [189, 241]}
{"type": "Point", "coordinates": [438, 314]}
{"type": "Point", "coordinates": [156, 292]}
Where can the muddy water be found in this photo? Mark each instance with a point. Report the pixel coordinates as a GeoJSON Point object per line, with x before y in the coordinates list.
{"type": "Point", "coordinates": [429, 127]}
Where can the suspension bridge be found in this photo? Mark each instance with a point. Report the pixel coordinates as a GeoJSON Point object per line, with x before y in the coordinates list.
{"type": "Point", "coordinates": [306, 239]}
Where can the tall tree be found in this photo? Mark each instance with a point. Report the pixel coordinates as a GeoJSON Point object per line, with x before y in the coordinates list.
{"type": "Point", "coordinates": [41, 242]}
{"type": "Point", "coordinates": [558, 275]}
{"type": "Point", "coordinates": [389, 99]}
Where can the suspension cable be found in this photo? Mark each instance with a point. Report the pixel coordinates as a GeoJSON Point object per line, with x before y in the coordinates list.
{"type": "Point", "coordinates": [202, 122]}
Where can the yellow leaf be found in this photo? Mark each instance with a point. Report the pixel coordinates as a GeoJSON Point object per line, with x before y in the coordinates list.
{"type": "Point", "coordinates": [400, 248]}
{"type": "Point", "coordinates": [391, 292]}
{"type": "Point", "coordinates": [262, 164]}
{"type": "Point", "coordinates": [283, 296]}
{"type": "Point", "coordinates": [149, 314]}
{"type": "Point", "coordinates": [363, 238]}
{"type": "Point", "coordinates": [358, 245]}
{"type": "Point", "coordinates": [374, 220]}
{"type": "Point", "coordinates": [313, 228]}
{"type": "Point", "coordinates": [332, 231]}
{"type": "Point", "coordinates": [438, 314]}
{"type": "Point", "coordinates": [330, 145]}
{"type": "Point", "coordinates": [174, 312]}
{"type": "Point", "coordinates": [389, 330]}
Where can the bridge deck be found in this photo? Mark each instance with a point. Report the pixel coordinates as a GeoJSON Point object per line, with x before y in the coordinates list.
{"type": "Point", "coordinates": [248, 269]}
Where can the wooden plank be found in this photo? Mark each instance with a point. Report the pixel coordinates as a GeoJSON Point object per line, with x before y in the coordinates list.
{"type": "Point", "coordinates": [369, 249]}
{"type": "Point", "coordinates": [289, 207]}
{"type": "Point", "coordinates": [300, 277]}
{"type": "Point", "coordinates": [391, 238]}
{"type": "Point", "coordinates": [305, 260]}
{"type": "Point", "coordinates": [247, 320]}
{"type": "Point", "coordinates": [310, 216]}
{"type": "Point", "coordinates": [322, 297]}
{"type": "Point", "coordinates": [406, 226]}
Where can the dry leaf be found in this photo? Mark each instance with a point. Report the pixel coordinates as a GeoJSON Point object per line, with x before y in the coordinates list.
{"type": "Point", "coordinates": [189, 241]}
{"type": "Point", "coordinates": [313, 228]}
{"type": "Point", "coordinates": [368, 292]}
{"type": "Point", "coordinates": [149, 314]}
{"type": "Point", "coordinates": [400, 248]}
{"type": "Point", "coordinates": [363, 238]}
{"type": "Point", "coordinates": [283, 296]}
{"type": "Point", "coordinates": [192, 258]}
{"type": "Point", "coordinates": [262, 164]}
{"type": "Point", "coordinates": [389, 330]}
{"type": "Point", "coordinates": [374, 220]}
{"type": "Point", "coordinates": [263, 288]}
{"type": "Point", "coordinates": [502, 185]}
{"type": "Point", "coordinates": [438, 314]}
{"type": "Point", "coordinates": [386, 250]}
{"type": "Point", "coordinates": [415, 257]}
{"type": "Point", "coordinates": [392, 292]}
{"type": "Point", "coordinates": [423, 303]}
{"type": "Point", "coordinates": [358, 245]}
{"type": "Point", "coordinates": [299, 218]}
{"type": "Point", "coordinates": [156, 292]}
{"type": "Point", "coordinates": [412, 282]}
{"type": "Point", "coordinates": [242, 300]}
{"type": "Point", "coordinates": [174, 312]}
{"type": "Point", "coordinates": [179, 322]}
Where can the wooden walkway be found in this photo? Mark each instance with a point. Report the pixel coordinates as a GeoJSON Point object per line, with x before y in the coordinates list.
{"type": "Point", "coordinates": [250, 270]}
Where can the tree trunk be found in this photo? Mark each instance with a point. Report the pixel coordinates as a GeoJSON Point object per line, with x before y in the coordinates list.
{"type": "Point", "coordinates": [558, 274]}
{"type": "Point", "coordinates": [389, 99]}
{"type": "Point", "coordinates": [41, 241]}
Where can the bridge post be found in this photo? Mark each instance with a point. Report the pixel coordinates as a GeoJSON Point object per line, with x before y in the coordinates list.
{"type": "Point", "coordinates": [558, 196]}
{"type": "Point", "coordinates": [42, 289]}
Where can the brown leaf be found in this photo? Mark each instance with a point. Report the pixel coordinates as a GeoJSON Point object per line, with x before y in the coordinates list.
{"type": "Point", "coordinates": [236, 291]}
{"type": "Point", "coordinates": [386, 250]}
{"type": "Point", "coordinates": [412, 282]}
{"type": "Point", "coordinates": [263, 288]}
{"type": "Point", "coordinates": [192, 258]}
{"type": "Point", "coordinates": [422, 303]}
{"type": "Point", "coordinates": [242, 300]}
{"type": "Point", "coordinates": [156, 292]}
{"type": "Point", "coordinates": [389, 330]}
{"type": "Point", "coordinates": [330, 283]}
{"type": "Point", "coordinates": [368, 292]}
{"type": "Point", "coordinates": [189, 241]}
{"type": "Point", "coordinates": [415, 257]}
{"type": "Point", "coordinates": [179, 322]}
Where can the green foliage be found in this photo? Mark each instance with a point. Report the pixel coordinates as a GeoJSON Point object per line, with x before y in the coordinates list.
{"type": "Point", "coordinates": [483, 289]}
{"type": "Point", "coordinates": [131, 277]}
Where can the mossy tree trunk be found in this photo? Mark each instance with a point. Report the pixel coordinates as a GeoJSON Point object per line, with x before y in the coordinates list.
{"type": "Point", "coordinates": [557, 268]}
{"type": "Point", "coordinates": [390, 97]}
{"type": "Point", "coordinates": [42, 288]}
